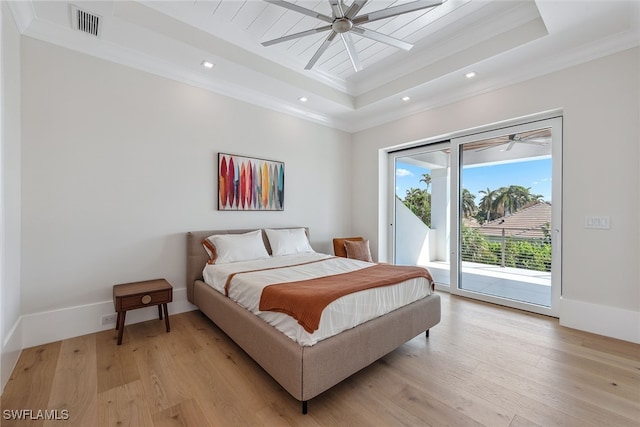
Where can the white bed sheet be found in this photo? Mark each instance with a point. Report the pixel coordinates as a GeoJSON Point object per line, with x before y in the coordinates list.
{"type": "Point", "coordinates": [340, 315]}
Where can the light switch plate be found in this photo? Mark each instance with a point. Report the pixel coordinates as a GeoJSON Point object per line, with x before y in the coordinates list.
{"type": "Point", "coordinates": [600, 222]}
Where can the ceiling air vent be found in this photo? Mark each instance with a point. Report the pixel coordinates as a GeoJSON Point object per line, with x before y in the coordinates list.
{"type": "Point", "coordinates": [84, 21]}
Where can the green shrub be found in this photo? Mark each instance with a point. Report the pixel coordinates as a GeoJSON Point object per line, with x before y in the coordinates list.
{"type": "Point", "coordinates": [532, 254]}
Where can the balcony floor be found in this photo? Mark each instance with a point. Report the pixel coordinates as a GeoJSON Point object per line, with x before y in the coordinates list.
{"type": "Point", "coordinates": [533, 287]}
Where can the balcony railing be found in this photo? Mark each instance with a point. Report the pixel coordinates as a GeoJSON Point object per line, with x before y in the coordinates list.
{"type": "Point", "coordinates": [527, 248]}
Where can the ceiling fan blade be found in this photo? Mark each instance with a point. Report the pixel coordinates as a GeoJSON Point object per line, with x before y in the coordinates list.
{"type": "Point", "coordinates": [395, 11]}
{"type": "Point", "coordinates": [510, 146]}
{"type": "Point", "coordinates": [297, 35]}
{"type": "Point", "coordinates": [383, 38]}
{"type": "Point", "coordinates": [351, 51]}
{"type": "Point", "coordinates": [540, 141]}
{"type": "Point", "coordinates": [539, 133]}
{"type": "Point", "coordinates": [483, 148]}
{"type": "Point", "coordinates": [488, 145]}
{"type": "Point", "coordinates": [321, 50]}
{"type": "Point", "coordinates": [336, 7]}
{"type": "Point", "coordinates": [354, 8]}
{"type": "Point", "coordinates": [299, 9]}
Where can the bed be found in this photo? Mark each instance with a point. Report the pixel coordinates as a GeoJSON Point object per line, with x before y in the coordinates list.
{"type": "Point", "coordinates": [304, 371]}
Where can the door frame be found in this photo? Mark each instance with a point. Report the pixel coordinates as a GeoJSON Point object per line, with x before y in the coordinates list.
{"type": "Point", "coordinates": [556, 215]}
{"type": "Point", "coordinates": [392, 157]}
{"type": "Point", "coordinates": [552, 119]}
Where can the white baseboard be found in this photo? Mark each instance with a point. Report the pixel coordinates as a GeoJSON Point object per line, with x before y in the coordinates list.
{"type": "Point", "coordinates": [11, 349]}
{"type": "Point", "coordinates": [49, 326]}
{"type": "Point", "coordinates": [601, 319]}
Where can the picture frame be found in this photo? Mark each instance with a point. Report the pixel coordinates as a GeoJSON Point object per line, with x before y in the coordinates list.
{"type": "Point", "coordinates": [249, 183]}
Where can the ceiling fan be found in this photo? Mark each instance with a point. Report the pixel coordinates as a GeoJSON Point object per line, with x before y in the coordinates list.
{"type": "Point", "coordinates": [541, 137]}
{"type": "Point", "coordinates": [345, 20]}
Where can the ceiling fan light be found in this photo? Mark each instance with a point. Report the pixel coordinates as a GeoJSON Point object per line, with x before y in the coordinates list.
{"type": "Point", "coordinates": [207, 64]}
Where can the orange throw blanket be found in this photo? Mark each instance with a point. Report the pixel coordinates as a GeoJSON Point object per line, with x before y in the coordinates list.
{"type": "Point", "coordinates": [306, 299]}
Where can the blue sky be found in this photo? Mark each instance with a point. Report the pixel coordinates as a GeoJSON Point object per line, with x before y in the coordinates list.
{"type": "Point", "coordinates": [535, 174]}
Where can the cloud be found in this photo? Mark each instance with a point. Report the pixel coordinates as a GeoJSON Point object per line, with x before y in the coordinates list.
{"type": "Point", "coordinates": [541, 181]}
{"type": "Point", "coordinates": [403, 172]}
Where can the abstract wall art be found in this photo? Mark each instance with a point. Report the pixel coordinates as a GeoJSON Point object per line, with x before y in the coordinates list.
{"type": "Point", "coordinates": [250, 184]}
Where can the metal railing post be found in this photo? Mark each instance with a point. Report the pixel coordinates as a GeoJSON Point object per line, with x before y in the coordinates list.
{"type": "Point", "coordinates": [503, 248]}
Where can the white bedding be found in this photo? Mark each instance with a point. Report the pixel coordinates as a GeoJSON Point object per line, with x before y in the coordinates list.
{"type": "Point", "coordinates": [342, 314]}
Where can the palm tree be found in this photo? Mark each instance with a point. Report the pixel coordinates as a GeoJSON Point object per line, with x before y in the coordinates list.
{"type": "Point", "coordinates": [505, 201]}
{"type": "Point", "coordinates": [468, 203]}
{"type": "Point", "coordinates": [520, 195]}
{"type": "Point", "coordinates": [419, 202]}
{"type": "Point", "coordinates": [487, 204]}
{"type": "Point", "coordinates": [513, 198]}
{"type": "Point", "coordinates": [426, 178]}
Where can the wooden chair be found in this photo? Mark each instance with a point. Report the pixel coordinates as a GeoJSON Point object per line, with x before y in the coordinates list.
{"type": "Point", "coordinates": [338, 245]}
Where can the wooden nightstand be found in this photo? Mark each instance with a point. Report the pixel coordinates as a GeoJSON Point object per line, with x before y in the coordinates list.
{"type": "Point", "coordinates": [129, 296]}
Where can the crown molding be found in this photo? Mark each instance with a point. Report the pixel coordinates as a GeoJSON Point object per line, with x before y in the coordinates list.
{"type": "Point", "coordinates": [23, 14]}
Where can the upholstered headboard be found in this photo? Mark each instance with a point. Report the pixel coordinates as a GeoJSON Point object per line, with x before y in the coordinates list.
{"type": "Point", "coordinates": [197, 257]}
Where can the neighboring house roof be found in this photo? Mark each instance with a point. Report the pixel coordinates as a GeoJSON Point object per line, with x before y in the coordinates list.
{"type": "Point", "coordinates": [527, 223]}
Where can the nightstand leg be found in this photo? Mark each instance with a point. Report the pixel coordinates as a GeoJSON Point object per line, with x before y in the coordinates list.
{"type": "Point", "coordinates": [120, 327]}
{"type": "Point", "coordinates": [166, 316]}
{"type": "Point", "coordinates": [118, 321]}
{"type": "Point", "coordinates": [160, 311]}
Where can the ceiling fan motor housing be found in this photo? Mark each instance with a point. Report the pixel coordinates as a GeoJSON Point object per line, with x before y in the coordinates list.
{"type": "Point", "coordinates": [342, 25]}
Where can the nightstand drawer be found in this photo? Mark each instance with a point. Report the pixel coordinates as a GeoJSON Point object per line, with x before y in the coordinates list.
{"type": "Point", "coordinates": [129, 296]}
{"type": "Point", "coordinates": [131, 302]}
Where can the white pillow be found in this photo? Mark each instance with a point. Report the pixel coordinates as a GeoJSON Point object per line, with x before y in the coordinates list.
{"type": "Point", "coordinates": [288, 241]}
{"type": "Point", "coordinates": [238, 247]}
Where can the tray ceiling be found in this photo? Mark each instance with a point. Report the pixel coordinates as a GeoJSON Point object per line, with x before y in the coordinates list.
{"type": "Point", "coordinates": [502, 41]}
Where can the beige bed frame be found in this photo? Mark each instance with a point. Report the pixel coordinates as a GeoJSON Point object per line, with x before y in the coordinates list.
{"type": "Point", "coordinates": [304, 371]}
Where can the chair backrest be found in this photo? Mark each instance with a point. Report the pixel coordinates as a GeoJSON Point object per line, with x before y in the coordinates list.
{"type": "Point", "coordinates": [338, 245]}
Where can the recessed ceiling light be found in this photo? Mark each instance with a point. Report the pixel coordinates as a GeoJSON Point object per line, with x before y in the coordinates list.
{"type": "Point", "coordinates": [406, 98]}
{"type": "Point", "coordinates": [303, 99]}
{"type": "Point", "coordinates": [470, 74]}
{"type": "Point", "coordinates": [207, 64]}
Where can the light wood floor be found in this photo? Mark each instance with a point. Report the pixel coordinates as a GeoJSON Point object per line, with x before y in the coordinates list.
{"type": "Point", "coordinates": [482, 365]}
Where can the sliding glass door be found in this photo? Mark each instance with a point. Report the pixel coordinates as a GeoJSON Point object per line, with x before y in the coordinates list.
{"type": "Point", "coordinates": [482, 212]}
{"type": "Point", "coordinates": [420, 208]}
{"type": "Point", "coordinates": [507, 219]}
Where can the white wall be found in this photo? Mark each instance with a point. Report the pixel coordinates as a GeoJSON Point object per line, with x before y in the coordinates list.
{"type": "Point", "coordinates": [601, 108]}
{"type": "Point", "coordinates": [10, 333]}
{"type": "Point", "coordinates": [118, 164]}
{"type": "Point", "coordinates": [415, 236]}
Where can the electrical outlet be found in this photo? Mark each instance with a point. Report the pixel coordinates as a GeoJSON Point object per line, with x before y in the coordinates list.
{"type": "Point", "coordinates": [109, 318]}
